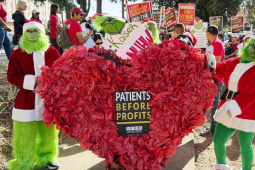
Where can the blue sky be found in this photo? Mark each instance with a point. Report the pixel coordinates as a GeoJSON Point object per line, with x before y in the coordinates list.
{"type": "Point", "coordinates": [113, 9]}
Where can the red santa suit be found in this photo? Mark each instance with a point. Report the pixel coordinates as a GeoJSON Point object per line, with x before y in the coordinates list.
{"type": "Point", "coordinates": [238, 77]}
{"type": "Point", "coordinates": [28, 105]}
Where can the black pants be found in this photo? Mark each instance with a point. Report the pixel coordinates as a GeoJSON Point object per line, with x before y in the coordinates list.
{"type": "Point", "coordinates": [55, 44]}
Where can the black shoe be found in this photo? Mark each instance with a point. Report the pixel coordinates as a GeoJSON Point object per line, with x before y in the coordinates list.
{"type": "Point", "coordinates": [53, 166]}
{"type": "Point", "coordinates": [207, 133]}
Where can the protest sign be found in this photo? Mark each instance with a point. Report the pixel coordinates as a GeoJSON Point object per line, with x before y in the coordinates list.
{"type": "Point", "coordinates": [187, 14]}
{"type": "Point", "coordinates": [199, 32]}
{"type": "Point", "coordinates": [132, 39]}
{"type": "Point", "coordinates": [156, 17]}
{"type": "Point", "coordinates": [133, 112]}
{"type": "Point", "coordinates": [170, 19]}
{"type": "Point", "coordinates": [218, 22]}
{"type": "Point", "coordinates": [162, 18]}
{"type": "Point", "coordinates": [237, 24]}
{"type": "Point", "coordinates": [140, 11]}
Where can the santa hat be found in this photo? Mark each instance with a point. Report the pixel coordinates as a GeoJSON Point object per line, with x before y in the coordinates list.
{"type": "Point", "coordinates": [194, 40]}
{"type": "Point", "coordinates": [33, 24]}
{"type": "Point", "coordinates": [149, 20]}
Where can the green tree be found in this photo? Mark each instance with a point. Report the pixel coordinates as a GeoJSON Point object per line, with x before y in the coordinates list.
{"type": "Point", "coordinates": [207, 8]}
{"type": "Point", "coordinates": [250, 6]}
{"type": "Point", "coordinates": [64, 5]}
{"type": "Point", "coordinates": [85, 5]}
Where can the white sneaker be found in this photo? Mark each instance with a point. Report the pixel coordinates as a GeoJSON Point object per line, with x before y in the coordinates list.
{"type": "Point", "coordinates": [222, 167]}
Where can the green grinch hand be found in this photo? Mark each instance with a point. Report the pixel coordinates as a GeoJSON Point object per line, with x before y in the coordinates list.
{"type": "Point", "coordinates": [204, 29]}
{"type": "Point", "coordinates": [33, 34]}
{"type": "Point", "coordinates": [199, 26]}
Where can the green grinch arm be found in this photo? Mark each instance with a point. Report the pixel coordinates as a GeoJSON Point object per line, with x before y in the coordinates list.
{"type": "Point", "coordinates": [155, 35]}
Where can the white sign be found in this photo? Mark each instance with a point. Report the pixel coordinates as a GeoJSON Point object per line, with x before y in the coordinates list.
{"type": "Point", "coordinates": [133, 38]}
{"type": "Point", "coordinates": [199, 32]}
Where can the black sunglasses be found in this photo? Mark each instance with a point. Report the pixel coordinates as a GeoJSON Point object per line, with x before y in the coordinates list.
{"type": "Point", "coordinates": [99, 43]}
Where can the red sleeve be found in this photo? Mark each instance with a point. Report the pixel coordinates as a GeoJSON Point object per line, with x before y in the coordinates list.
{"type": "Point", "coordinates": [15, 74]}
{"type": "Point", "coordinates": [217, 49]}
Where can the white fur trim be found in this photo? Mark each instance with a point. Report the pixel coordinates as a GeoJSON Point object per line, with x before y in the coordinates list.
{"type": "Point", "coordinates": [235, 76]}
{"type": "Point", "coordinates": [153, 22]}
{"type": "Point", "coordinates": [39, 60]}
{"type": "Point", "coordinates": [25, 115]}
{"type": "Point", "coordinates": [234, 108]}
{"type": "Point", "coordinates": [29, 82]}
{"type": "Point", "coordinates": [33, 24]}
{"type": "Point", "coordinates": [253, 37]}
{"type": "Point", "coordinates": [227, 120]}
{"type": "Point", "coordinates": [222, 167]}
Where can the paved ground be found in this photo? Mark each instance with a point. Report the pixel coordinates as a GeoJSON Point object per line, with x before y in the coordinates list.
{"type": "Point", "coordinates": [2, 55]}
{"type": "Point", "coordinates": [73, 157]}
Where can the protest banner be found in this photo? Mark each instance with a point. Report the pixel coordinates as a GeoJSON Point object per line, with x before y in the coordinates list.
{"type": "Point", "coordinates": [162, 17]}
{"type": "Point", "coordinates": [237, 24]}
{"type": "Point", "coordinates": [199, 32]}
{"type": "Point", "coordinates": [140, 11]}
{"type": "Point", "coordinates": [156, 17]}
{"type": "Point", "coordinates": [170, 19]}
{"type": "Point", "coordinates": [218, 22]}
{"type": "Point", "coordinates": [133, 112]}
{"type": "Point", "coordinates": [132, 39]}
{"type": "Point", "coordinates": [187, 14]}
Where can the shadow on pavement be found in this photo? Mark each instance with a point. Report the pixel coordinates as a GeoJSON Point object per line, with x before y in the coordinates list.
{"type": "Point", "coordinates": [69, 147]}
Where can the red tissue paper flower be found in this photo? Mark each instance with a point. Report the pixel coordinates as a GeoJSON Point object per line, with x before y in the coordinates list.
{"type": "Point", "coordinates": [79, 96]}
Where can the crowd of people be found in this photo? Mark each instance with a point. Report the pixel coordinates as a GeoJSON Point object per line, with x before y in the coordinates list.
{"type": "Point", "coordinates": [80, 33]}
{"type": "Point", "coordinates": [78, 28]}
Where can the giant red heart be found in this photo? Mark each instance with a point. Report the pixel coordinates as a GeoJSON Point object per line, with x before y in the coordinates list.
{"type": "Point", "coordinates": [78, 92]}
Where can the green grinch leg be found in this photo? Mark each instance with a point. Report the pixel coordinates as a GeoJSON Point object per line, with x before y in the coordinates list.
{"type": "Point", "coordinates": [47, 146]}
{"type": "Point", "coordinates": [245, 141]}
{"type": "Point", "coordinates": [24, 137]}
{"type": "Point", "coordinates": [222, 134]}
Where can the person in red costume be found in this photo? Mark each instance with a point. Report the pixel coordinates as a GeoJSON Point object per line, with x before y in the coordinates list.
{"type": "Point", "coordinates": [236, 110]}
{"type": "Point", "coordinates": [33, 142]}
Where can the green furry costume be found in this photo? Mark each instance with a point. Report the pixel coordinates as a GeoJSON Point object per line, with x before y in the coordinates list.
{"type": "Point", "coordinates": [33, 142]}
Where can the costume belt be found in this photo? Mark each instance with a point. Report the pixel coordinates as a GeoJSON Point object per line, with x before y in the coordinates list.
{"type": "Point", "coordinates": [229, 95]}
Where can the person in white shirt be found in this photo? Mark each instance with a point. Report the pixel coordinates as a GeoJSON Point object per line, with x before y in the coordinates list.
{"type": "Point", "coordinates": [85, 31]}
